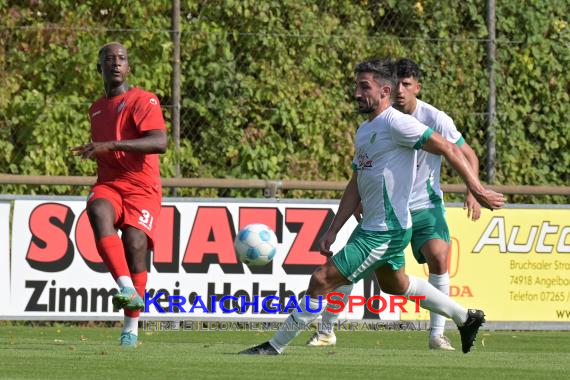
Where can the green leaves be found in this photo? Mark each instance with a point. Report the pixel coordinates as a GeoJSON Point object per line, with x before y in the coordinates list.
{"type": "Point", "coordinates": [267, 86]}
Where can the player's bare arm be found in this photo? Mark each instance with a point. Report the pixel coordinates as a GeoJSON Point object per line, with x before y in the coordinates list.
{"type": "Point", "coordinates": [154, 141]}
{"type": "Point", "coordinates": [471, 205]}
{"type": "Point", "coordinates": [348, 203]}
{"type": "Point", "coordinates": [358, 213]}
{"type": "Point", "coordinates": [438, 145]}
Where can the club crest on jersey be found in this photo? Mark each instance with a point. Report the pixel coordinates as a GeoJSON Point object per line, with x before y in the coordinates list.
{"type": "Point", "coordinates": [373, 138]}
{"type": "Point", "coordinates": [364, 161]}
{"type": "Point", "coordinates": [153, 101]}
{"type": "Point", "coordinates": [121, 106]}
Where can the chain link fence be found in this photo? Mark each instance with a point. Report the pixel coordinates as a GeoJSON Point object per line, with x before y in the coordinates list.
{"type": "Point", "coordinates": [223, 57]}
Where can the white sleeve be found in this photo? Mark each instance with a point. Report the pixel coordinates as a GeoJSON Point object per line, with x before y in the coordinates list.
{"type": "Point", "coordinates": [409, 132]}
{"type": "Point", "coordinates": [446, 127]}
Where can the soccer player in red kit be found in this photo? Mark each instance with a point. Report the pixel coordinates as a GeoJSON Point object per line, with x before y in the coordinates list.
{"type": "Point", "coordinates": [128, 133]}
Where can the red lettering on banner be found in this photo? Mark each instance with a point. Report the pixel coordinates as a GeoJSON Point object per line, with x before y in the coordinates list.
{"type": "Point", "coordinates": [50, 248]}
{"type": "Point", "coordinates": [370, 304]}
{"type": "Point", "coordinates": [460, 291]}
{"type": "Point", "coordinates": [166, 252]}
{"type": "Point", "coordinates": [309, 224]}
{"type": "Point", "coordinates": [335, 302]}
{"type": "Point", "coordinates": [272, 218]}
{"type": "Point", "coordinates": [211, 241]}
{"type": "Point", "coordinates": [417, 300]}
{"type": "Point", "coordinates": [355, 301]}
{"type": "Point", "coordinates": [398, 301]}
{"type": "Point", "coordinates": [85, 242]}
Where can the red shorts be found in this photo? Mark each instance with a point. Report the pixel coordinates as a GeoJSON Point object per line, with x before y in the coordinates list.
{"type": "Point", "coordinates": [134, 205]}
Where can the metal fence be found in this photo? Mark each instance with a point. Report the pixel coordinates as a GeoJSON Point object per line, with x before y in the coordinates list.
{"type": "Point", "coordinates": [176, 43]}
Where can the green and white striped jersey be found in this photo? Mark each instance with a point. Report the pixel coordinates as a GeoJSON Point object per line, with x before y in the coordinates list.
{"type": "Point", "coordinates": [426, 192]}
{"type": "Point", "coordinates": [385, 161]}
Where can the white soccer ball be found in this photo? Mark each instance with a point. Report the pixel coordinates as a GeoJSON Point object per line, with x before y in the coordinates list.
{"type": "Point", "coordinates": [255, 244]}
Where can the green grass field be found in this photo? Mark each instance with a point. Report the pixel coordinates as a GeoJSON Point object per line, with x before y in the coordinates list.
{"type": "Point", "coordinates": [66, 352]}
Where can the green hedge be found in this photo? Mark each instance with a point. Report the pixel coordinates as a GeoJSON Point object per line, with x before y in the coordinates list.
{"type": "Point", "coordinates": [267, 85]}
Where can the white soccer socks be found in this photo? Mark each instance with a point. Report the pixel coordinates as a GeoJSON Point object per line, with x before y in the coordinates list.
{"type": "Point", "coordinates": [329, 319]}
{"type": "Point", "coordinates": [131, 325]}
{"type": "Point", "coordinates": [436, 301]}
{"type": "Point", "coordinates": [295, 323]}
{"type": "Point", "coordinates": [441, 283]}
{"type": "Point", "coordinates": [125, 282]}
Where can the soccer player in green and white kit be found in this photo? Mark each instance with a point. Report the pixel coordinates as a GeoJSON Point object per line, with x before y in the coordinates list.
{"type": "Point", "coordinates": [430, 235]}
{"type": "Point", "coordinates": [384, 172]}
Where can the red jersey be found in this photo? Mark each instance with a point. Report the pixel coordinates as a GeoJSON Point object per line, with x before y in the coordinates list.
{"type": "Point", "coordinates": [127, 117]}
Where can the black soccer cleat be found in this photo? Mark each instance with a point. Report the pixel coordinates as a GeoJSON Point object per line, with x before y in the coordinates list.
{"type": "Point", "coordinates": [468, 332]}
{"type": "Point", "coordinates": [260, 349]}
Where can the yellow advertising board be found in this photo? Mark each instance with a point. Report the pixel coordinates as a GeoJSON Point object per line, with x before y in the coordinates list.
{"type": "Point", "coordinates": [512, 263]}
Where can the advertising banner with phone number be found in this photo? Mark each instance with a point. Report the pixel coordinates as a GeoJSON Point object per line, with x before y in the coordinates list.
{"type": "Point", "coordinates": [513, 263]}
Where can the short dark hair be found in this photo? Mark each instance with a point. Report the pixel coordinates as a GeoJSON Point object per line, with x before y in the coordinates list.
{"type": "Point", "coordinates": [406, 68]}
{"type": "Point", "coordinates": [383, 70]}
{"type": "Point", "coordinates": [106, 46]}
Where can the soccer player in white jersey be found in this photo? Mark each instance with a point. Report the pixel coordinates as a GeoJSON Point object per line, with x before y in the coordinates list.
{"type": "Point", "coordinates": [430, 234]}
{"type": "Point", "coordinates": [384, 171]}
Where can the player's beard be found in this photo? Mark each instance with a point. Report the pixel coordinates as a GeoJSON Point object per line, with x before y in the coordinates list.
{"type": "Point", "coordinates": [369, 106]}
